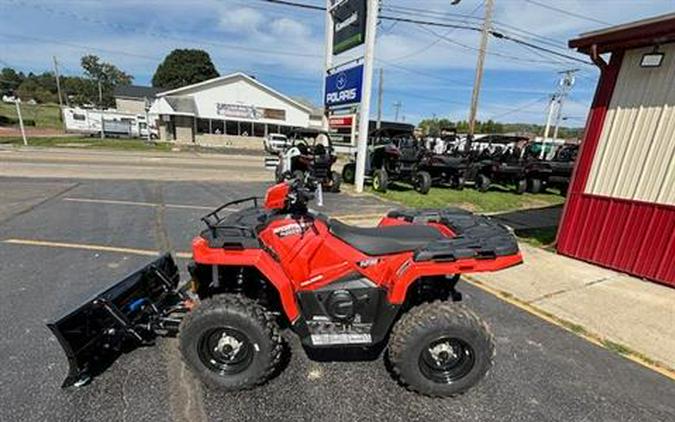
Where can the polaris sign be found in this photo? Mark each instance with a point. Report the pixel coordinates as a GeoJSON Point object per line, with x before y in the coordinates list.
{"type": "Point", "coordinates": [344, 87]}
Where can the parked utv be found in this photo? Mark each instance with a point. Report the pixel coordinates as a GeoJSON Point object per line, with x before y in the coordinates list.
{"type": "Point", "coordinates": [337, 286]}
{"type": "Point", "coordinates": [309, 153]}
{"type": "Point", "coordinates": [499, 161]}
{"type": "Point", "coordinates": [393, 155]}
{"type": "Point", "coordinates": [554, 173]}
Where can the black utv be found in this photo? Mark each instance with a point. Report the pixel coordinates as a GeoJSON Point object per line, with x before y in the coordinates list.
{"type": "Point", "coordinates": [393, 155]}
{"type": "Point", "coordinates": [554, 173]}
{"type": "Point", "coordinates": [309, 153]}
{"type": "Point", "coordinates": [499, 161]}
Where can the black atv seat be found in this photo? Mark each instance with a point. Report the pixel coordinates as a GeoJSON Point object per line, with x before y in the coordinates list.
{"type": "Point", "coordinates": [384, 240]}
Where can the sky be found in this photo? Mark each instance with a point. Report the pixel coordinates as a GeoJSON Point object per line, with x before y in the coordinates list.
{"type": "Point", "coordinates": [429, 70]}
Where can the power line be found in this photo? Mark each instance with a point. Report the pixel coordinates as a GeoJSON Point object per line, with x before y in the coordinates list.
{"type": "Point", "coordinates": [438, 39]}
{"type": "Point", "coordinates": [567, 12]}
{"type": "Point", "coordinates": [495, 34]}
{"type": "Point", "coordinates": [519, 108]}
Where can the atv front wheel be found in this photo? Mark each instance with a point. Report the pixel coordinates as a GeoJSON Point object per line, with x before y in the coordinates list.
{"type": "Point", "coordinates": [349, 173]}
{"type": "Point", "coordinates": [230, 343]}
{"type": "Point", "coordinates": [335, 181]}
{"type": "Point", "coordinates": [440, 349]}
{"type": "Point", "coordinates": [380, 180]}
{"type": "Point", "coordinates": [422, 182]}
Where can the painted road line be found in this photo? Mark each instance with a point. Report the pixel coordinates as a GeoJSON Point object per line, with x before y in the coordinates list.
{"type": "Point", "coordinates": [596, 339]}
{"type": "Point", "coordinates": [92, 247]}
{"type": "Point", "coordinates": [143, 204]}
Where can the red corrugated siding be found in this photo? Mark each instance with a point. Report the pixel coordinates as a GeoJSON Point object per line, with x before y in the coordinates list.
{"type": "Point", "coordinates": [630, 236]}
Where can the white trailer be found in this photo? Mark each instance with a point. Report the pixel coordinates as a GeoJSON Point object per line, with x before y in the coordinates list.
{"type": "Point", "coordinates": [114, 123]}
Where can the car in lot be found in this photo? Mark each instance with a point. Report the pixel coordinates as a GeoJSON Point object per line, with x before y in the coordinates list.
{"type": "Point", "coordinates": [274, 143]}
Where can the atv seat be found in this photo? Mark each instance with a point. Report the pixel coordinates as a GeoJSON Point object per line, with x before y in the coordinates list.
{"type": "Point", "coordinates": [384, 240]}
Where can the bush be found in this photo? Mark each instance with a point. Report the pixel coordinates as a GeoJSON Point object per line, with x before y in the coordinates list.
{"type": "Point", "coordinates": [14, 121]}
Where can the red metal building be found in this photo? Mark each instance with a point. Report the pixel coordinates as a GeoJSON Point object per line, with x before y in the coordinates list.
{"type": "Point", "coordinates": [620, 211]}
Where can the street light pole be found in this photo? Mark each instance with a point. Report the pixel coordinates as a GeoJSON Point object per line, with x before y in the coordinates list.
{"type": "Point", "coordinates": [18, 114]}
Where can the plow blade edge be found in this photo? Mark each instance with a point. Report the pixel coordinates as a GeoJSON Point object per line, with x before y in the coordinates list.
{"type": "Point", "coordinates": [126, 315]}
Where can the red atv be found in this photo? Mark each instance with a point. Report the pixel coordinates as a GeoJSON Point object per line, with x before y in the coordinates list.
{"type": "Point", "coordinates": [334, 285]}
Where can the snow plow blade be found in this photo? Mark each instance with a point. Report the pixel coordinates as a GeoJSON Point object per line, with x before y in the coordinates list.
{"type": "Point", "coordinates": [128, 314]}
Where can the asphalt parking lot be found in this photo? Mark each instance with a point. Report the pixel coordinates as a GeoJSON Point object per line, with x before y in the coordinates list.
{"type": "Point", "coordinates": [541, 372]}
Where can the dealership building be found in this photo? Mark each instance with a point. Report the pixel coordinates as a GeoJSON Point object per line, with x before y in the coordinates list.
{"type": "Point", "coordinates": [231, 105]}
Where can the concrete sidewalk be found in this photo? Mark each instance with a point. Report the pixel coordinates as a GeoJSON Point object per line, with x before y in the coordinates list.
{"type": "Point", "coordinates": [610, 306]}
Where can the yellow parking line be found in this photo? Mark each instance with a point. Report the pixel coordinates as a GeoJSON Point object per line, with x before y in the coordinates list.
{"type": "Point", "coordinates": [559, 322]}
{"type": "Point", "coordinates": [92, 247]}
{"type": "Point", "coordinates": [140, 204]}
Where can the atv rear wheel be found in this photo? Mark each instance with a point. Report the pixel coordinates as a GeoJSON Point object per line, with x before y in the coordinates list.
{"type": "Point", "coordinates": [348, 173]}
{"type": "Point", "coordinates": [380, 180]}
{"type": "Point", "coordinates": [335, 182]}
{"type": "Point", "coordinates": [482, 183]}
{"type": "Point", "coordinates": [457, 182]}
{"type": "Point", "coordinates": [534, 185]}
{"type": "Point", "coordinates": [440, 349]}
{"type": "Point", "coordinates": [230, 342]}
{"type": "Point", "coordinates": [422, 182]}
{"type": "Point", "coordinates": [521, 186]}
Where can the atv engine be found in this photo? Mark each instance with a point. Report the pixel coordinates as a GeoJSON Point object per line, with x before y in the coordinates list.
{"type": "Point", "coordinates": [344, 312]}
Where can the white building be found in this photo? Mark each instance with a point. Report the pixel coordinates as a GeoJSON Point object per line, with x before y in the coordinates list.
{"type": "Point", "coordinates": [235, 104]}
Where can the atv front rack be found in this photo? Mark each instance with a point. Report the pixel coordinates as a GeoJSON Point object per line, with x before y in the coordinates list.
{"type": "Point", "coordinates": [213, 220]}
{"type": "Point", "coordinates": [133, 312]}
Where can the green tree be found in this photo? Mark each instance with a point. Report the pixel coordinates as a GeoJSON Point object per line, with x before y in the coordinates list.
{"type": "Point", "coordinates": [108, 74]}
{"type": "Point", "coordinates": [184, 67]}
{"type": "Point", "coordinates": [10, 81]}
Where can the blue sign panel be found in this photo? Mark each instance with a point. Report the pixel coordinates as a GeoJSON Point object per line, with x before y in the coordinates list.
{"type": "Point", "coordinates": [344, 87]}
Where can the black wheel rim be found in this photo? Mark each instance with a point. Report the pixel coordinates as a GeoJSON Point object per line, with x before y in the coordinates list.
{"type": "Point", "coordinates": [225, 350]}
{"type": "Point", "coordinates": [447, 360]}
{"type": "Point", "coordinates": [349, 174]}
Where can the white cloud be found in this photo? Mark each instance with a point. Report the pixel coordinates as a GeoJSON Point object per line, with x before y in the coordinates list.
{"type": "Point", "coordinates": [240, 19]}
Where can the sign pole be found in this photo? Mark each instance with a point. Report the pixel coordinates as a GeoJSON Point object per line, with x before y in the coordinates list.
{"type": "Point", "coordinates": [364, 111]}
{"type": "Point", "coordinates": [328, 56]}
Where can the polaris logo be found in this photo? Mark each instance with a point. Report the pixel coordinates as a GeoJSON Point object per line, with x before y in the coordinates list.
{"type": "Point", "coordinates": [341, 96]}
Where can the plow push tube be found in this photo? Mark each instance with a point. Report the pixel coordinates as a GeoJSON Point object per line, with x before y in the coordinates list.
{"type": "Point", "coordinates": [130, 313]}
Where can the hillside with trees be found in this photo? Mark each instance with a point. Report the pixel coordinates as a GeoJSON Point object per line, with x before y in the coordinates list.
{"type": "Point", "coordinates": [433, 127]}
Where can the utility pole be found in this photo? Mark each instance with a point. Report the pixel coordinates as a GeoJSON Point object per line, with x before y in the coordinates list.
{"type": "Point", "coordinates": [566, 85]}
{"type": "Point", "coordinates": [485, 34]}
{"type": "Point", "coordinates": [58, 82]}
{"type": "Point", "coordinates": [555, 107]}
{"type": "Point", "coordinates": [18, 114]}
{"type": "Point", "coordinates": [364, 112]}
{"type": "Point", "coordinates": [379, 98]}
{"type": "Point", "coordinates": [397, 107]}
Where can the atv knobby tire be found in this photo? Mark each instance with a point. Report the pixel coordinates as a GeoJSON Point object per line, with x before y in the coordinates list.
{"type": "Point", "coordinates": [335, 182]}
{"type": "Point", "coordinates": [421, 327]}
{"type": "Point", "coordinates": [482, 183]}
{"type": "Point", "coordinates": [380, 180]}
{"type": "Point", "coordinates": [422, 182]}
{"type": "Point", "coordinates": [243, 315]}
{"type": "Point", "coordinates": [349, 173]}
{"type": "Point", "coordinates": [534, 185]}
